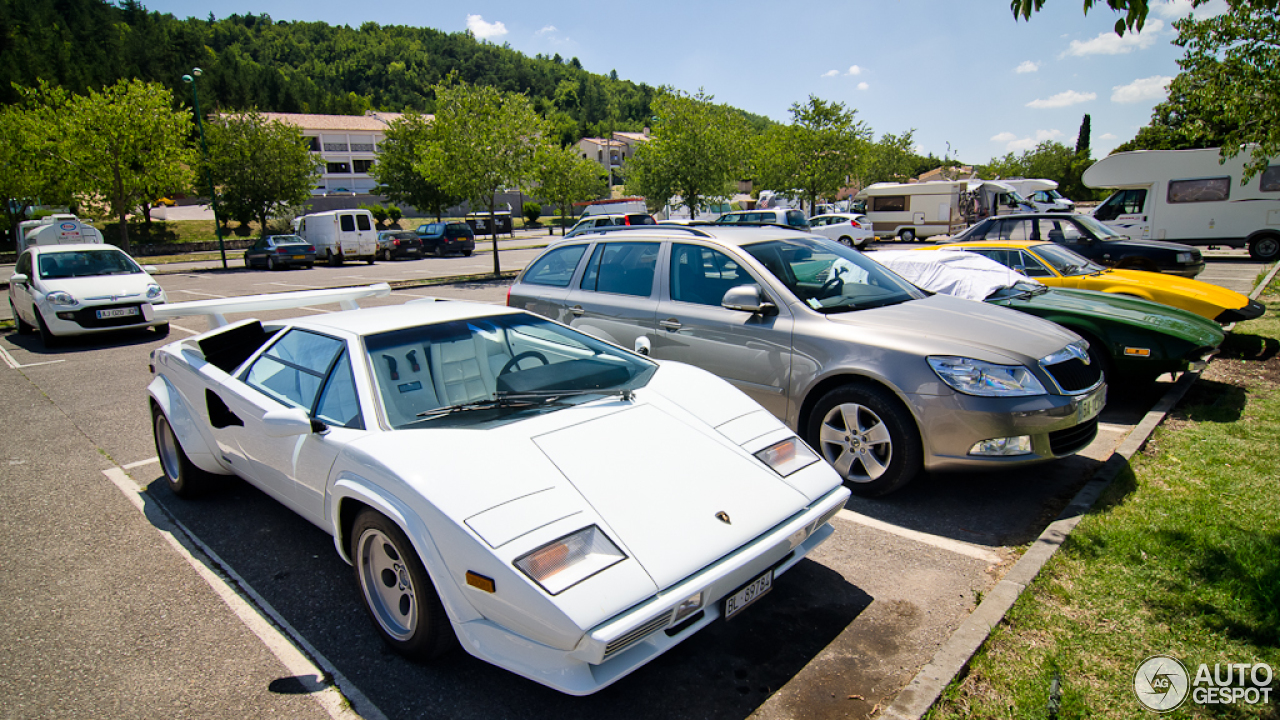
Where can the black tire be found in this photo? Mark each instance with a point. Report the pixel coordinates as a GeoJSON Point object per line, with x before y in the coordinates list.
{"type": "Point", "coordinates": [881, 452]}
{"type": "Point", "coordinates": [371, 258]}
{"type": "Point", "coordinates": [386, 256]}
{"type": "Point", "coordinates": [248, 262]}
{"type": "Point", "coordinates": [24, 327]}
{"type": "Point", "coordinates": [396, 589]}
{"type": "Point", "coordinates": [439, 251]}
{"type": "Point", "coordinates": [846, 240]}
{"type": "Point", "coordinates": [1265, 248]}
{"type": "Point", "coordinates": [162, 330]}
{"type": "Point", "coordinates": [182, 476]}
{"type": "Point", "coordinates": [907, 235]}
{"type": "Point", "coordinates": [1098, 354]}
{"type": "Point", "coordinates": [271, 264]}
{"type": "Point", "coordinates": [335, 259]}
{"type": "Point", "coordinates": [46, 336]}
{"type": "Point", "coordinates": [308, 266]}
{"type": "Point", "coordinates": [466, 253]}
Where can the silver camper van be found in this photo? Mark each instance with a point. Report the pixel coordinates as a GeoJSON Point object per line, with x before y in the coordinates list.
{"type": "Point", "coordinates": [339, 235]}
{"type": "Point", "coordinates": [1188, 196]}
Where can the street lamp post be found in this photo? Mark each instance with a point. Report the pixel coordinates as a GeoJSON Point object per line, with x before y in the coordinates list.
{"type": "Point", "coordinates": [208, 174]}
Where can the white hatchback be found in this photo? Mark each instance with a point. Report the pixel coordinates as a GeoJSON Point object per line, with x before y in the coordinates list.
{"type": "Point", "coordinates": [847, 228]}
{"type": "Point", "coordinates": [79, 289]}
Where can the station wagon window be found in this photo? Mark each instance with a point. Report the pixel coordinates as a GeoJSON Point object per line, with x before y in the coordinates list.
{"type": "Point", "coordinates": [889, 203]}
{"type": "Point", "coordinates": [622, 268]}
{"type": "Point", "coordinates": [1214, 189]}
{"type": "Point", "coordinates": [702, 275]}
{"type": "Point", "coordinates": [293, 371]}
{"type": "Point", "coordinates": [1270, 179]}
{"type": "Point", "coordinates": [555, 269]}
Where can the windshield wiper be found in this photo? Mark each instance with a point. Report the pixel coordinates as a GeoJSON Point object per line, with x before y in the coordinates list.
{"type": "Point", "coordinates": [517, 400]}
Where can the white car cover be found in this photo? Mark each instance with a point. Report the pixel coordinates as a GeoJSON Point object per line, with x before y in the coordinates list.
{"type": "Point", "coordinates": [951, 272]}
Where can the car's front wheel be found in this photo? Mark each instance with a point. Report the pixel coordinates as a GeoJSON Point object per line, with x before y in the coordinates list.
{"type": "Point", "coordinates": [870, 438]}
{"type": "Point", "coordinates": [184, 479]}
{"type": "Point", "coordinates": [397, 590]}
{"type": "Point", "coordinates": [46, 335]}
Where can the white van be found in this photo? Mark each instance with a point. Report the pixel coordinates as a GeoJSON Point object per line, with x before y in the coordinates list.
{"type": "Point", "coordinates": [920, 210]}
{"type": "Point", "coordinates": [1041, 193]}
{"type": "Point", "coordinates": [339, 235]}
{"type": "Point", "coordinates": [1187, 196]}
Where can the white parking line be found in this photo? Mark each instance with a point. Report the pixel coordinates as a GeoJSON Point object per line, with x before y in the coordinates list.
{"type": "Point", "coordinates": [937, 541]}
{"type": "Point", "coordinates": [294, 285]}
{"type": "Point", "coordinates": [14, 364]}
{"type": "Point", "coordinates": [202, 294]}
{"type": "Point", "coordinates": [188, 331]}
{"type": "Point", "coordinates": [257, 615]}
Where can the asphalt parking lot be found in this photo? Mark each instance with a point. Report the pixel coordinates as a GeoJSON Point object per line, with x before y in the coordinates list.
{"type": "Point", "coordinates": [127, 601]}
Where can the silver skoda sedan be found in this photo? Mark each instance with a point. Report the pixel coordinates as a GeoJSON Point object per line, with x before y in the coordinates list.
{"type": "Point", "coordinates": [883, 378]}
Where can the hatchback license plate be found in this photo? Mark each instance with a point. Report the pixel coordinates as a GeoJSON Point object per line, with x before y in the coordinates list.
{"type": "Point", "coordinates": [754, 590]}
{"type": "Point", "coordinates": [117, 312]}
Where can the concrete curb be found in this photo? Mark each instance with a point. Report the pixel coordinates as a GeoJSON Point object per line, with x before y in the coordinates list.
{"type": "Point", "coordinates": [951, 659]}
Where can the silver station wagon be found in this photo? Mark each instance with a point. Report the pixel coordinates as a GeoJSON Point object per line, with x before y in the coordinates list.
{"type": "Point", "coordinates": [884, 379]}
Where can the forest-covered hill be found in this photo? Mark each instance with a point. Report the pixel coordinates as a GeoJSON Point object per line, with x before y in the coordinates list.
{"type": "Point", "coordinates": [252, 61]}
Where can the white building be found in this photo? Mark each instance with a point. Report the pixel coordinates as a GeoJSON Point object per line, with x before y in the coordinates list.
{"type": "Point", "coordinates": [348, 144]}
{"type": "Point", "coordinates": [618, 149]}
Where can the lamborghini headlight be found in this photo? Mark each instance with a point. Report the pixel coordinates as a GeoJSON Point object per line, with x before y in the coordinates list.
{"type": "Point", "coordinates": [787, 456]}
{"type": "Point", "coordinates": [561, 564]}
{"type": "Point", "coordinates": [975, 377]}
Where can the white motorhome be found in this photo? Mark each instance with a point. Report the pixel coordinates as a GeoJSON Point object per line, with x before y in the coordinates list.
{"type": "Point", "coordinates": [339, 235]}
{"type": "Point", "coordinates": [1188, 196]}
{"type": "Point", "coordinates": [921, 210]}
{"type": "Point", "coordinates": [57, 229]}
{"type": "Point", "coordinates": [1041, 193]}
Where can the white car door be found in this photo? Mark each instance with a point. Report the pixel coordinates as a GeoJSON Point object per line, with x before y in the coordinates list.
{"type": "Point", "coordinates": [21, 294]}
{"type": "Point", "coordinates": [303, 371]}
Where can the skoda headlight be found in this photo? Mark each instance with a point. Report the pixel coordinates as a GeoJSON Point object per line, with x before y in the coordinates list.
{"type": "Point", "coordinates": [561, 564]}
{"type": "Point", "coordinates": [60, 297]}
{"type": "Point", "coordinates": [154, 291]}
{"type": "Point", "coordinates": [975, 377]}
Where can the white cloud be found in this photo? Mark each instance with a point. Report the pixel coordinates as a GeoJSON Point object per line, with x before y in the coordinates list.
{"type": "Point", "coordinates": [854, 70]}
{"type": "Point", "coordinates": [1062, 99]}
{"type": "Point", "coordinates": [1109, 43]}
{"type": "Point", "coordinates": [1013, 143]}
{"type": "Point", "coordinates": [831, 73]}
{"type": "Point", "coordinates": [545, 30]}
{"type": "Point", "coordinates": [483, 30]}
{"type": "Point", "coordinates": [1171, 10]}
{"type": "Point", "coordinates": [863, 86]}
{"type": "Point", "coordinates": [1142, 90]}
{"type": "Point", "coordinates": [1108, 136]}
{"type": "Point", "coordinates": [1027, 67]}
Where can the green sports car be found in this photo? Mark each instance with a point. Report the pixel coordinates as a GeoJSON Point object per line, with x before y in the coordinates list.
{"type": "Point", "coordinates": [1131, 338]}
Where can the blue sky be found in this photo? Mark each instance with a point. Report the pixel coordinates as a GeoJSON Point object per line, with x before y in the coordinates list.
{"type": "Point", "coordinates": [971, 80]}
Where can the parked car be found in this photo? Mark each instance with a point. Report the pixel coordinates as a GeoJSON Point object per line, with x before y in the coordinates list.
{"type": "Point", "coordinates": [64, 290]}
{"type": "Point", "coordinates": [1059, 266]}
{"type": "Point", "coordinates": [776, 216]}
{"type": "Point", "coordinates": [442, 238]}
{"type": "Point", "coordinates": [395, 244]}
{"type": "Point", "coordinates": [882, 378]}
{"type": "Point", "coordinates": [848, 228]}
{"type": "Point", "coordinates": [276, 252]}
{"type": "Point", "coordinates": [628, 503]}
{"type": "Point", "coordinates": [1090, 238]}
{"type": "Point", "coordinates": [609, 220]}
{"type": "Point", "coordinates": [1129, 338]}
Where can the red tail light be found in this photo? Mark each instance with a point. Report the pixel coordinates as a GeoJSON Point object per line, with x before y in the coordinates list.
{"type": "Point", "coordinates": [282, 251]}
{"type": "Point", "coordinates": [854, 223]}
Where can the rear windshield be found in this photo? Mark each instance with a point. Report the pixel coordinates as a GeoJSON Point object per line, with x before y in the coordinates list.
{"type": "Point", "coordinates": [457, 230]}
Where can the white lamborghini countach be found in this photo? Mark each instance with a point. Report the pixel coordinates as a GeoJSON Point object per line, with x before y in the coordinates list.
{"type": "Point", "coordinates": [566, 509]}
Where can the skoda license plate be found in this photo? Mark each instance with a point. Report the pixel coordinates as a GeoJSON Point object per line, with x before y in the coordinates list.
{"type": "Point", "coordinates": [747, 595]}
{"type": "Point", "coordinates": [117, 312]}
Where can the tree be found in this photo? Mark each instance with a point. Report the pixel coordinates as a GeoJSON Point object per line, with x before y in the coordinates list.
{"type": "Point", "coordinates": [259, 166]}
{"type": "Point", "coordinates": [1082, 137]}
{"type": "Point", "coordinates": [394, 170]}
{"type": "Point", "coordinates": [31, 172]}
{"type": "Point", "coordinates": [122, 142]}
{"type": "Point", "coordinates": [696, 151]}
{"type": "Point", "coordinates": [564, 177]}
{"type": "Point", "coordinates": [1049, 160]}
{"type": "Point", "coordinates": [1135, 11]}
{"type": "Point", "coordinates": [891, 159]}
{"type": "Point", "coordinates": [1228, 93]}
{"type": "Point", "coordinates": [816, 154]}
{"type": "Point", "coordinates": [481, 141]}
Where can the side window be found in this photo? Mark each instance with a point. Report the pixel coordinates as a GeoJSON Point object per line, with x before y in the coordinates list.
{"type": "Point", "coordinates": [1015, 230]}
{"type": "Point", "coordinates": [362, 222]}
{"type": "Point", "coordinates": [999, 255]}
{"type": "Point", "coordinates": [338, 402]}
{"type": "Point", "coordinates": [1200, 190]}
{"type": "Point", "coordinates": [292, 371]}
{"type": "Point", "coordinates": [24, 264]}
{"type": "Point", "coordinates": [795, 218]}
{"type": "Point", "coordinates": [702, 275]}
{"type": "Point", "coordinates": [1031, 267]}
{"type": "Point", "coordinates": [889, 203]}
{"type": "Point", "coordinates": [347, 223]}
{"type": "Point", "coordinates": [622, 268]}
{"type": "Point", "coordinates": [1270, 181]}
{"type": "Point", "coordinates": [555, 269]}
{"type": "Point", "coordinates": [1124, 202]}
{"type": "Point", "coordinates": [1059, 231]}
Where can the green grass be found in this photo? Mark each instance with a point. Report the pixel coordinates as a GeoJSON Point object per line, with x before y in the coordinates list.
{"type": "Point", "coordinates": [1181, 556]}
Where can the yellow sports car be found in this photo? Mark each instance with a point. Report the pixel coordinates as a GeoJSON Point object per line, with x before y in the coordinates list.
{"type": "Point", "coordinates": [1057, 266]}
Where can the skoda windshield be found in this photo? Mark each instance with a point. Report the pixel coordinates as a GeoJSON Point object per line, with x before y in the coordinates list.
{"type": "Point", "coordinates": [829, 277]}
